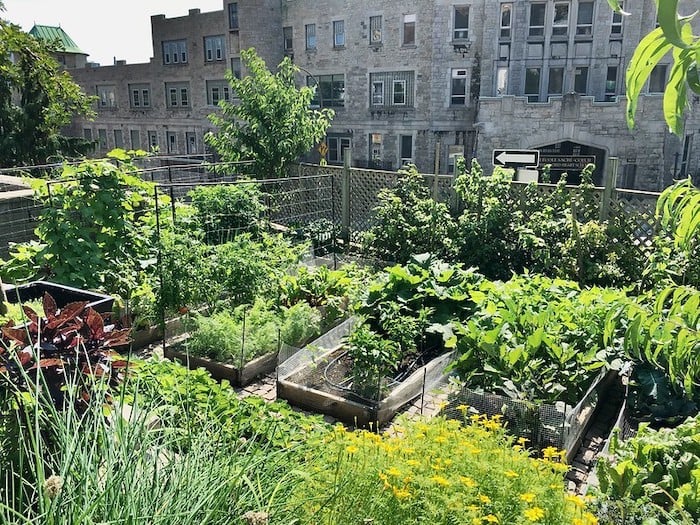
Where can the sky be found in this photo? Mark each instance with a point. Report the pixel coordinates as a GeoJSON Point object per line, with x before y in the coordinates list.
{"type": "Point", "coordinates": [104, 30]}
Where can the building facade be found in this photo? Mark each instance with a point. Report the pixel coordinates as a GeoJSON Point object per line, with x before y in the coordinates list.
{"type": "Point", "coordinates": [421, 81]}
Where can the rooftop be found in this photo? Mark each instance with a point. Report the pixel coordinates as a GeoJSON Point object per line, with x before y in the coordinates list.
{"type": "Point", "coordinates": [58, 35]}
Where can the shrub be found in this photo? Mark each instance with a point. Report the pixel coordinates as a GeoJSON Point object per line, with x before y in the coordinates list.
{"type": "Point", "coordinates": [223, 211]}
{"type": "Point", "coordinates": [435, 471]}
{"type": "Point", "coordinates": [407, 221]}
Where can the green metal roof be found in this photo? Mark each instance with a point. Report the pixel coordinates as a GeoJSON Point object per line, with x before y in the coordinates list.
{"type": "Point", "coordinates": [56, 34]}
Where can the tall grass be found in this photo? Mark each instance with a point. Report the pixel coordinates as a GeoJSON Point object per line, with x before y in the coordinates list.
{"type": "Point", "coordinates": [119, 464]}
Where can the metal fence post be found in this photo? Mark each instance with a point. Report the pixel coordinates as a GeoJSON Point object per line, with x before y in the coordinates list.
{"type": "Point", "coordinates": [345, 197]}
{"type": "Point", "coordinates": [436, 171]}
{"type": "Point", "coordinates": [610, 185]}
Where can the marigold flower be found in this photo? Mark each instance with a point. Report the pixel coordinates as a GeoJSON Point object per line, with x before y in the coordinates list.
{"type": "Point", "coordinates": [442, 481]}
{"type": "Point", "coordinates": [528, 497]}
{"type": "Point", "coordinates": [511, 474]}
{"type": "Point", "coordinates": [483, 498]}
{"type": "Point", "coordinates": [576, 500]}
{"type": "Point", "coordinates": [467, 481]}
{"type": "Point", "coordinates": [490, 519]}
{"type": "Point", "coordinates": [401, 493]}
{"type": "Point", "coordinates": [393, 471]}
{"type": "Point", "coordinates": [534, 514]}
{"type": "Point", "coordinates": [351, 449]}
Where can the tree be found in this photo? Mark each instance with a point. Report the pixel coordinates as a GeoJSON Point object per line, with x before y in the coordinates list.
{"type": "Point", "coordinates": [271, 122]}
{"type": "Point", "coordinates": [674, 35]}
{"type": "Point", "coordinates": [36, 101]}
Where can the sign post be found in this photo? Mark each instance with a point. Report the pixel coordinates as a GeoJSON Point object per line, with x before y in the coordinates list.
{"type": "Point", "coordinates": [516, 158]}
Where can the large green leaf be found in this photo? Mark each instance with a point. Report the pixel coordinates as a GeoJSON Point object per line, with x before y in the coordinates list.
{"type": "Point", "coordinates": [675, 94]}
{"type": "Point", "coordinates": [667, 16]}
{"type": "Point", "coordinates": [649, 52]}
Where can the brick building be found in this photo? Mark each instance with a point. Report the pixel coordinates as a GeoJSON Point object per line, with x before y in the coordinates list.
{"type": "Point", "coordinates": [418, 81]}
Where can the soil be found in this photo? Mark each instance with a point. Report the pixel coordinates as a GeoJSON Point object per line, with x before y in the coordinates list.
{"type": "Point", "coordinates": [320, 376]}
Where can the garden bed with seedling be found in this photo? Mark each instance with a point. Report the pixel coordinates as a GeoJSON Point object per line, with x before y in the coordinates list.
{"type": "Point", "coordinates": [320, 378]}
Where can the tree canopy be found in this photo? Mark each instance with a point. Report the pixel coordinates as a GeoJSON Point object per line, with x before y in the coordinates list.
{"type": "Point", "coordinates": [270, 120]}
{"type": "Point", "coordinates": [674, 35]}
{"type": "Point", "coordinates": [37, 100]}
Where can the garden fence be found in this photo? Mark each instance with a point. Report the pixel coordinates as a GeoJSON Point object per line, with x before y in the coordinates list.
{"type": "Point", "coordinates": [345, 200]}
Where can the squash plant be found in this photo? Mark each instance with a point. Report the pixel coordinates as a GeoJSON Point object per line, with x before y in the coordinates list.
{"type": "Point", "coordinates": [408, 314]}
{"type": "Point", "coordinates": [537, 339]}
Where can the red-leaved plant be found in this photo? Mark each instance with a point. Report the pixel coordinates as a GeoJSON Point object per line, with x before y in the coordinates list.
{"type": "Point", "coordinates": [67, 344]}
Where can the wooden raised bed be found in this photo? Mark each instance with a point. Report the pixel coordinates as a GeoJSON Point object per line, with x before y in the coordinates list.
{"type": "Point", "coordinates": [346, 407]}
{"type": "Point", "coordinates": [238, 376]}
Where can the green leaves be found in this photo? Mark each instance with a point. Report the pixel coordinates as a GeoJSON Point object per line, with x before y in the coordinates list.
{"type": "Point", "coordinates": [270, 122]}
{"type": "Point", "coordinates": [673, 34]}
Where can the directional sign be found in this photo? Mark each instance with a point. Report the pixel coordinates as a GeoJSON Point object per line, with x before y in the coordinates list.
{"type": "Point", "coordinates": [322, 149]}
{"type": "Point", "coordinates": [516, 158]}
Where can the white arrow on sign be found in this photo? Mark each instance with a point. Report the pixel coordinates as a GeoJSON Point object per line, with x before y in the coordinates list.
{"type": "Point", "coordinates": [517, 158]}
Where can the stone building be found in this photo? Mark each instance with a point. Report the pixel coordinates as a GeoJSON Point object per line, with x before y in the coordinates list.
{"type": "Point", "coordinates": [420, 81]}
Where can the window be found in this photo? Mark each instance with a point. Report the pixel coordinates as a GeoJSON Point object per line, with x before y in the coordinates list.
{"type": "Point", "coordinates": [310, 36]}
{"type": "Point", "coordinates": [657, 78]}
{"type": "Point", "coordinates": [233, 15]}
{"type": "Point", "coordinates": [506, 17]}
{"type": "Point", "coordinates": [102, 138]}
{"type": "Point", "coordinates": [377, 93]}
{"type": "Point", "coordinates": [217, 90]}
{"type": "Point", "coordinates": [288, 35]}
{"type": "Point", "coordinates": [177, 94]}
{"type": "Point", "coordinates": [409, 30]}
{"type": "Point", "coordinates": [616, 25]}
{"type": "Point", "coordinates": [153, 140]}
{"type": "Point", "coordinates": [339, 33]}
{"type": "Point", "coordinates": [236, 67]}
{"type": "Point", "coordinates": [461, 22]}
{"type": "Point", "coordinates": [401, 84]}
{"type": "Point", "coordinates": [584, 20]}
{"type": "Point", "coordinates": [687, 144]}
{"type": "Point", "coordinates": [175, 52]}
{"type": "Point", "coordinates": [191, 141]}
{"type": "Point", "coordinates": [611, 84]}
{"type": "Point", "coordinates": [458, 87]}
{"type": "Point", "coordinates": [537, 19]}
{"type": "Point", "coordinates": [556, 81]}
{"type": "Point", "coordinates": [581, 80]}
{"type": "Point", "coordinates": [135, 139]}
{"type": "Point", "coordinates": [171, 139]}
{"type": "Point", "coordinates": [336, 148]}
{"type": "Point", "coordinates": [118, 139]}
{"type": "Point", "coordinates": [140, 95]}
{"type": "Point", "coordinates": [502, 81]}
{"type": "Point", "coordinates": [87, 134]}
{"type": "Point", "coordinates": [560, 24]}
{"type": "Point", "coordinates": [213, 48]}
{"type": "Point", "coordinates": [406, 149]}
{"type": "Point", "coordinates": [375, 149]}
{"type": "Point", "coordinates": [532, 84]}
{"type": "Point", "coordinates": [375, 29]}
{"type": "Point", "coordinates": [107, 97]}
{"type": "Point", "coordinates": [398, 93]}
{"type": "Point", "coordinates": [330, 90]}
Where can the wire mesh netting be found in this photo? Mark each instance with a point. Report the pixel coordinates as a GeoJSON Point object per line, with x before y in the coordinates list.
{"type": "Point", "coordinates": [542, 424]}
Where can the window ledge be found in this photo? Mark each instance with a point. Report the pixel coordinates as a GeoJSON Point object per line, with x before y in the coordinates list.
{"type": "Point", "coordinates": [409, 46]}
{"type": "Point", "coordinates": [338, 48]}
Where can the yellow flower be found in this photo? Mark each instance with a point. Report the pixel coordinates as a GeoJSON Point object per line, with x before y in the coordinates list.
{"type": "Point", "coordinates": [534, 514]}
{"type": "Point", "coordinates": [393, 471]}
{"type": "Point", "coordinates": [590, 519]}
{"type": "Point", "coordinates": [576, 500]}
{"type": "Point", "coordinates": [412, 463]}
{"type": "Point", "coordinates": [511, 474]}
{"type": "Point", "coordinates": [467, 481]}
{"type": "Point", "coordinates": [351, 449]}
{"type": "Point", "coordinates": [401, 493]}
{"type": "Point", "coordinates": [462, 408]}
{"type": "Point", "coordinates": [490, 519]}
{"type": "Point", "coordinates": [476, 521]}
{"type": "Point", "coordinates": [443, 482]}
{"type": "Point", "coordinates": [483, 498]}
{"type": "Point", "coordinates": [528, 497]}
{"type": "Point", "coordinates": [440, 439]}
